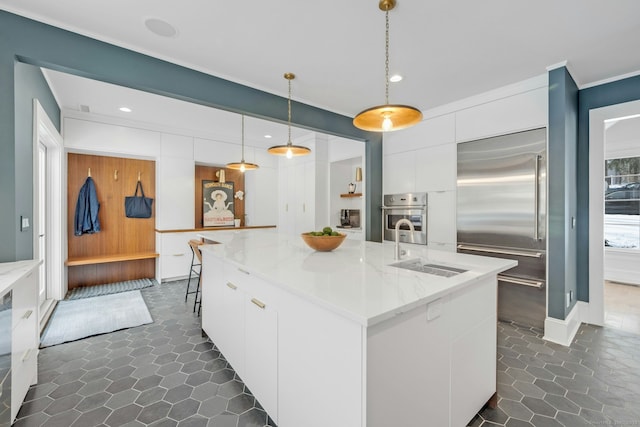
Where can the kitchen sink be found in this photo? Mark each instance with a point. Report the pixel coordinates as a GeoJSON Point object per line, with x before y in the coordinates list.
{"type": "Point", "coordinates": [428, 268]}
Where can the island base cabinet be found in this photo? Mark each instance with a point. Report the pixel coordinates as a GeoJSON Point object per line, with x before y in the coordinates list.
{"type": "Point", "coordinates": [473, 349]}
{"type": "Point", "coordinates": [320, 367]}
{"type": "Point", "coordinates": [436, 364]}
{"type": "Point", "coordinates": [408, 377]}
{"type": "Point", "coordinates": [261, 352]}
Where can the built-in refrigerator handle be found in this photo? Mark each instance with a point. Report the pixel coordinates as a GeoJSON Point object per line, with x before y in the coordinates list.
{"type": "Point", "coordinates": [536, 198]}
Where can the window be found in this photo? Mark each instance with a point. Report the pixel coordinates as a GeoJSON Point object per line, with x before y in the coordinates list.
{"type": "Point", "coordinates": [622, 203]}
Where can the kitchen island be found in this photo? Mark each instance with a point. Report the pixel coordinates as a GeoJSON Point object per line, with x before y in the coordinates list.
{"type": "Point", "coordinates": [343, 338]}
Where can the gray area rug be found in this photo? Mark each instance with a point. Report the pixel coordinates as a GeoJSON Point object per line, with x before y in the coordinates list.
{"type": "Point", "coordinates": [76, 319]}
{"type": "Point", "coordinates": [110, 288]}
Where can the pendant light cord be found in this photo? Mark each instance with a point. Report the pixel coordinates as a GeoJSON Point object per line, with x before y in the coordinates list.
{"type": "Point", "coordinates": [243, 138]}
{"type": "Point", "coordinates": [386, 62]}
{"type": "Point", "coordinates": [289, 113]}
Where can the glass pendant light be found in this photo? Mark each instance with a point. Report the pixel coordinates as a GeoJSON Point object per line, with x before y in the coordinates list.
{"type": "Point", "coordinates": [242, 166]}
{"type": "Point", "coordinates": [289, 150]}
{"type": "Point", "coordinates": [387, 117]}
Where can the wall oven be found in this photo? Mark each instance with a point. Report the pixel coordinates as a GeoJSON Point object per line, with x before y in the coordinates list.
{"type": "Point", "coordinates": [412, 206]}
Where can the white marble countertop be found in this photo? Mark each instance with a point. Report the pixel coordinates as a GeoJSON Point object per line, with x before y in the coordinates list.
{"type": "Point", "coordinates": [11, 272]}
{"type": "Point", "coordinates": [354, 280]}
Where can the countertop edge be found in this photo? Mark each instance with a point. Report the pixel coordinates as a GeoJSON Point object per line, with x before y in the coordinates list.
{"type": "Point", "coordinates": [11, 272]}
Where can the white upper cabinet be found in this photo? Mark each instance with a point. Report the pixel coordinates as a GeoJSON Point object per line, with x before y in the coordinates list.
{"type": "Point", "coordinates": [175, 184]}
{"type": "Point", "coordinates": [399, 173]}
{"type": "Point", "coordinates": [435, 131]}
{"type": "Point", "coordinates": [515, 113]}
{"type": "Point", "coordinates": [436, 168]}
{"type": "Point", "coordinates": [109, 139]}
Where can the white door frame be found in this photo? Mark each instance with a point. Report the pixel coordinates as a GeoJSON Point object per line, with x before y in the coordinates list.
{"type": "Point", "coordinates": [44, 131]}
{"type": "Point", "coordinates": [597, 116]}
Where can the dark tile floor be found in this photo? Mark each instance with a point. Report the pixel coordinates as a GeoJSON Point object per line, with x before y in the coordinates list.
{"type": "Point", "coordinates": [161, 374]}
{"type": "Point", "coordinates": [595, 381]}
{"type": "Point", "coordinates": [166, 374]}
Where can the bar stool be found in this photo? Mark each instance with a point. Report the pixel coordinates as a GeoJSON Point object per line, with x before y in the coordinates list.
{"type": "Point", "coordinates": [195, 268]}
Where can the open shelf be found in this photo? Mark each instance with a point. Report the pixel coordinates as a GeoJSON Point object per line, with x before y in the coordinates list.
{"type": "Point", "coordinates": [351, 195]}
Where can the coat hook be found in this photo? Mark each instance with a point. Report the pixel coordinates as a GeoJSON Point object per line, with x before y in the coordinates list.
{"type": "Point", "coordinates": [138, 176]}
{"type": "Point", "coordinates": [115, 175]}
{"type": "Point", "coordinates": [89, 173]}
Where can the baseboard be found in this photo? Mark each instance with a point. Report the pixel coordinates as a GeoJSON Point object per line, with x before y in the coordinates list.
{"type": "Point", "coordinates": [563, 331]}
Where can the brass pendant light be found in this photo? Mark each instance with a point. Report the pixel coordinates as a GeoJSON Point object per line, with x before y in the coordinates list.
{"type": "Point", "coordinates": [289, 150]}
{"type": "Point", "coordinates": [388, 117]}
{"type": "Point", "coordinates": [242, 166]}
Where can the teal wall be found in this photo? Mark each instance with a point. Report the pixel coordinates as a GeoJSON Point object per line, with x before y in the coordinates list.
{"type": "Point", "coordinates": [562, 202]}
{"type": "Point", "coordinates": [617, 92]}
{"type": "Point", "coordinates": [29, 85]}
{"type": "Point", "coordinates": [30, 42]}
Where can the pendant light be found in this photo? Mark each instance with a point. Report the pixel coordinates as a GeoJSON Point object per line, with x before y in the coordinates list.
{"type": "Point", "coordinates": [289, 150]}
{"type": "Point", "coordinates": [388, 117]}
{"type": "Point", "coordinates": [242, 166]}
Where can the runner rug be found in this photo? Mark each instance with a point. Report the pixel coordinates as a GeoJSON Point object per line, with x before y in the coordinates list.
{"type": "Point", "coordinates": [76, 319]}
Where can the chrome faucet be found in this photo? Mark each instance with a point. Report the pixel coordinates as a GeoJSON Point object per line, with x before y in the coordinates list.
{"type": "Point", "coordinates": [401, 221]}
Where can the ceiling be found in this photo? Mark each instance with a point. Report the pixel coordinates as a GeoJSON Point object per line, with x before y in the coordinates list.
{"type": "Point", "coordinates": [446, 49]}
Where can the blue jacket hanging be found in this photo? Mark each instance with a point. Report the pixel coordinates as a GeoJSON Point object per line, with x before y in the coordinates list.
{"type": "Point", "coordinates": [87, 207]}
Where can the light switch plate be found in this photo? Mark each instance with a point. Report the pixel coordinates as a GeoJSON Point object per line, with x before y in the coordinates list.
{"type": "Point", "coordinates": [24, 223]}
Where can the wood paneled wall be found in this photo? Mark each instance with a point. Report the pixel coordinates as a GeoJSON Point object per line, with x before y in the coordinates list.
{"type": "Point", "coordinates": [114, 178]}
{"type": "Point", "coordinates": [208, 173]}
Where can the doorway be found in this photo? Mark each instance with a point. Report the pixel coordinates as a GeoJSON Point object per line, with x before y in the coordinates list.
{"type": "Point", "coordinates": [48, 210]}
{"type": "Point", "coordinates": [602, 304]}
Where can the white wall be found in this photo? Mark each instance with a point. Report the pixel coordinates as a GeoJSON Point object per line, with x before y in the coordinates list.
{"type": "Point", "coordinates": [176, 155]}
{"type": "Point", "coordinates": [423, 158]}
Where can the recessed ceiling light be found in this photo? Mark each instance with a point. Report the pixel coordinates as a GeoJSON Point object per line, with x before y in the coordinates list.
{"type": "Point", "coordinates": [395, 78]}
{"type": "Point", "coordinates": [160, 27]}
{"type": "Point", "coordinates": [125, 109]}
{"type": "Point", "coordinates": [267, 136]}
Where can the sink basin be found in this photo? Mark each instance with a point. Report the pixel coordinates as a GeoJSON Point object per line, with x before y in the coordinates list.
{"type": "Point", "coordinates": [428, 268]}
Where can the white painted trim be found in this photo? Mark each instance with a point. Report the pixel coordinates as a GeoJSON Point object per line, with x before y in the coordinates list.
{"type": "Point", "coordinates": [528, 85]}
{"type": "Point", "coordinates": [597, 116]}
{"type": "Point", "coordinates": [609, 80]}
{"type": "Point", "coordinates": [558, 65]}
{"type": "Point", "coordinates": [563, 331]}
{"type": "Point", "coordinates": [45, 131]}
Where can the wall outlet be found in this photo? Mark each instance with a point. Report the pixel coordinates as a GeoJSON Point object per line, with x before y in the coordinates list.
{"type": "Point", "coordinates": [24, 223]}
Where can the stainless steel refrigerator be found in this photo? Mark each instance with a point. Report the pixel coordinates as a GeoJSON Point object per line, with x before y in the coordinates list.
{"type": "Point", "coordinates": [501, 212]}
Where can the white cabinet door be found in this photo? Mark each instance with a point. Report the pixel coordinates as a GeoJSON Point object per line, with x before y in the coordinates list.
{"type": "Point", "coordinates": [261, 351]}
{"type": "Point", "coordinates": [175, 207]}
{"type": "Point", "coordinates": [232, 344]}
{"type": "Point", "coordinates": [436, 168]}
{"type": "Point", "coordinates": [213, 283]}
{"type": "Point", "coordinates": [25, 338]}
{"type": "Point", "coordinates": [520, 112]}
{"type": "Point", "coordinates": [399, 173]}
{"type": "Point", "coordinates": [441, 218]}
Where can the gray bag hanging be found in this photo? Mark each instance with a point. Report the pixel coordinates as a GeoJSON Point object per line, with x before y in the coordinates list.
{"type": "Point", "coordinates": [138, 206]}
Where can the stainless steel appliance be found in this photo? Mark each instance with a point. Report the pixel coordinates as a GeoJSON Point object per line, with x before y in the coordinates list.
{"type": "Point", "coordinates": [411, 206]}
{"type": "Point", "coordinates": [349, 218]}
{"type": "Point", "coordinates": [5, 359]}
{"type": "Point", "coordinates": [501, 212]}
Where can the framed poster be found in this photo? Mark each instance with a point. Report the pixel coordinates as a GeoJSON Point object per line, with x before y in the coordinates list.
{"type": "Point", "coordinates": [217, 207]}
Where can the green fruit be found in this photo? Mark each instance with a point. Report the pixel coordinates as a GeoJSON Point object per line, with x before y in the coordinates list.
{"type": "Point", "coordinates": [327, 230]}
{"type": "Point", "coordinates": [335, 233]}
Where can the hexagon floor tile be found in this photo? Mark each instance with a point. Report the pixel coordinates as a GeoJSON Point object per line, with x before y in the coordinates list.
{"type": "Point", "coordinates": [166, 374]}
{"type": "Point", "coordinates": [160, 374]}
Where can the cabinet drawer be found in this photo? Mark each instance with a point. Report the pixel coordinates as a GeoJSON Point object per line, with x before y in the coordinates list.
{"type": "Point", "coordinates": [23, 374]}
{"type": "Point", "coordinates": [176, 243]}
{"type": "Point", "coordinates": [172, 266]}
{"type": "Point", "coordinates": [25, 297]}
